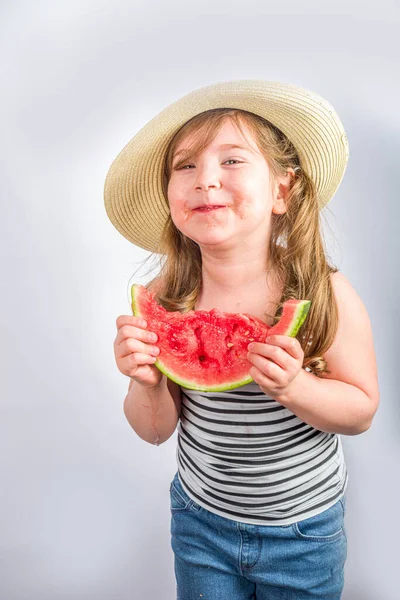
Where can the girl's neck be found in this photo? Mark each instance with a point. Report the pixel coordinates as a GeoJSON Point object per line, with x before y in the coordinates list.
{"type": "Point", "coordinates": [229, 278]}
{"type": "Point", "coordinates": [238, 287]}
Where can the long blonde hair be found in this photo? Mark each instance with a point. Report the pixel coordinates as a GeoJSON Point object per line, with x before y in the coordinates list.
{"type": "Point", "coordinates": [296, 251]}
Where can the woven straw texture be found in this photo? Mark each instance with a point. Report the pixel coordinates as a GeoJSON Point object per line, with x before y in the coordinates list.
{"type": "Point", "coordinates": [134, 201]}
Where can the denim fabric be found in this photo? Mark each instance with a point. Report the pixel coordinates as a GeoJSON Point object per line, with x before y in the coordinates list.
{"type": "Point", "coordinates": [218, 559]}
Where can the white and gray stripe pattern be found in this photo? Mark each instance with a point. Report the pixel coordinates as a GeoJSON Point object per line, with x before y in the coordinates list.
{"type": "Point", "coordinates": [244, 456]}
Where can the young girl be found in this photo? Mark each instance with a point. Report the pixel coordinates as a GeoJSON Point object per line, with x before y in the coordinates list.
{"type": "Point", "coordinates": [227, 184]}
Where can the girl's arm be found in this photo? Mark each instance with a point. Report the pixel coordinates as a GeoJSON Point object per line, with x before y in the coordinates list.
{"type": "Point", "coordinates": [345, 400]}
{"type": "Point", "coordinates": [153, 413]}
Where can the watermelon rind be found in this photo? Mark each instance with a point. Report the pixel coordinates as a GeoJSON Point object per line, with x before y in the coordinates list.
{"type": "Point", "coordinates": [135, 292]}
{"type": "Point", "coordinates": [200, 388]}
{"type": "Point", "coordinates": [298, 317]}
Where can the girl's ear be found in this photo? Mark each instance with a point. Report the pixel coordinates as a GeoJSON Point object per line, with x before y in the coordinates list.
{"type": "Point", "coordinates": [281, 190]}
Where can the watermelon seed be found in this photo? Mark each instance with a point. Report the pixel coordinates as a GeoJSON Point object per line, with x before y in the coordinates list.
{"type": "Point", "coordinates": [229, 345]}
{"type": "Point", "coordinates": [202, 357]}
{"type": "Point", "coordinates": [246, 332]}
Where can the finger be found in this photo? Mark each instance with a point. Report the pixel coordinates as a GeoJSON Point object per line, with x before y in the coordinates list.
{"type": "Point", "coordinates": [143, 348]}
{"type": "Point", "coordinates": [128, 331]}
{"type": "Point", "coordinates": [290, 344]}
{"type": "Point", "coordinates": [262, 379]}
{"type": "Point", "coordinates": [130, 320]}
{"type": "Point", "coordinates": [269, 351]}
{"type": "Point", "coordinates": [132, 345]}
{"type": "Point", "coordinates": [266, 367]}
{"type": "Point", "coordinates": [143, 359]}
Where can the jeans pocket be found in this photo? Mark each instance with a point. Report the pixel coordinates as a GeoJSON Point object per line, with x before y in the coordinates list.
{"type": "Point", "coordinates": [343, 503]}
{"type": "Point", "coordinates": [326, 526]}
{"type": "Point", "coordinates": [179, 500]}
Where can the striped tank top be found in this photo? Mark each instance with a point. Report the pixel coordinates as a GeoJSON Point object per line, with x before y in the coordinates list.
{"type": "Point", "coordinates": [245, 457]}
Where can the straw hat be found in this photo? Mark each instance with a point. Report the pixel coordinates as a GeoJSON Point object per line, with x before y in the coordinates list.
{"type": "Point", "coordinates": [133, 194]}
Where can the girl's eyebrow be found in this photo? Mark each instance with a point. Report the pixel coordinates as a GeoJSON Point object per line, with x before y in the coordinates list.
{"type": "Point", "coordinates": [221, 147]}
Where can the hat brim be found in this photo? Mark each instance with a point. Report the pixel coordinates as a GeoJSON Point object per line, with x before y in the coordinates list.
{"type": "Point", "coordinates": [133, 195]}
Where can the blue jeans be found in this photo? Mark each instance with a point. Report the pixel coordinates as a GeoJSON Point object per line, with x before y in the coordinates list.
{"type": "Point", "coordinates": [219, 559]}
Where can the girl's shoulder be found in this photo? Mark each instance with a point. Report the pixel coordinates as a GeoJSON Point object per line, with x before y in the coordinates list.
{"type": "Point", "coordinates": [353, 315]}
{"type": "Point", "coordinates": [345, 292]}
{"type": "Point", "coordinates": [338, 276]}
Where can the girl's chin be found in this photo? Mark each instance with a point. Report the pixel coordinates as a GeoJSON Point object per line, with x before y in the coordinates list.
{"type": "Point", "coordinates": [211, 239]}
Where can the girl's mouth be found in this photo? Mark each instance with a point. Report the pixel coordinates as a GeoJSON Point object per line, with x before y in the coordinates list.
{"type": "Point", "coordinates": [207, 208]}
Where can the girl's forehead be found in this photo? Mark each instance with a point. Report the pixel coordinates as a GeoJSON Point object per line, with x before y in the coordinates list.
{"type": "Point", "coordinates": [228, 134]}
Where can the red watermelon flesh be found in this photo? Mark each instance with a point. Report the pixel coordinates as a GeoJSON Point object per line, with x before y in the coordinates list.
{"type": "Point", "coordinates": [206, 350]}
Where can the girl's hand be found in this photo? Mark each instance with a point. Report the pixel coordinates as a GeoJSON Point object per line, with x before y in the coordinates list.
{"type": "Point", "coordinates": [277, 362]}
{"type": "Point", "coordinates": [135, 351]}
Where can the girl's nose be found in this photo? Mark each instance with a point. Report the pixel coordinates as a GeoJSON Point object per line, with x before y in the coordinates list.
{"type": "Point", "coordinates": [206, 186]}
{"type": "Point", "coordinates": [206, 177]}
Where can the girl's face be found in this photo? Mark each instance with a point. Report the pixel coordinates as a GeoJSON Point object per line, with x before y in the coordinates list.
{"type": "Point", "coordinates": [223, 196]}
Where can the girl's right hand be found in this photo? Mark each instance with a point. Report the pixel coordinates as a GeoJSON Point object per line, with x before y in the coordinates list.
{"type": "Point", "coordinates": [135, 351]}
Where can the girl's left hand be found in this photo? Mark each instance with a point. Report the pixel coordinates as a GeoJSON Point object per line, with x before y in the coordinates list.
{"type": "Point", "coordinates": [277, 362]}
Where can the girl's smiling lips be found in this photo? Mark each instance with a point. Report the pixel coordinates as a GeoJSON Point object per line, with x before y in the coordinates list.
{"type": "Point", "coordinates": [207, 208]}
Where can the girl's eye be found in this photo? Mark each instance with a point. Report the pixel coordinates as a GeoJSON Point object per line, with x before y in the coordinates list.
{"type": "Point", "coordinates": [229, 160]}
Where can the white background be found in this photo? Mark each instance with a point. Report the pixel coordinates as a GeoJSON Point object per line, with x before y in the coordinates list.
{"type": "Point", "coordinates": [84, 502]}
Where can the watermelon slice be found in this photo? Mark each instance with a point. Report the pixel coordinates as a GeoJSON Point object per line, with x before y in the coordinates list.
{"type": "Point", "coordinates": [206, 350]}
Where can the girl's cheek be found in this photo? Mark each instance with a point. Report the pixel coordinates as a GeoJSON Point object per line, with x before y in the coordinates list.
{"type": "Point", "coordinates": [241, 206]}
{"type": "Point", "coordinates": [179, 213]}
